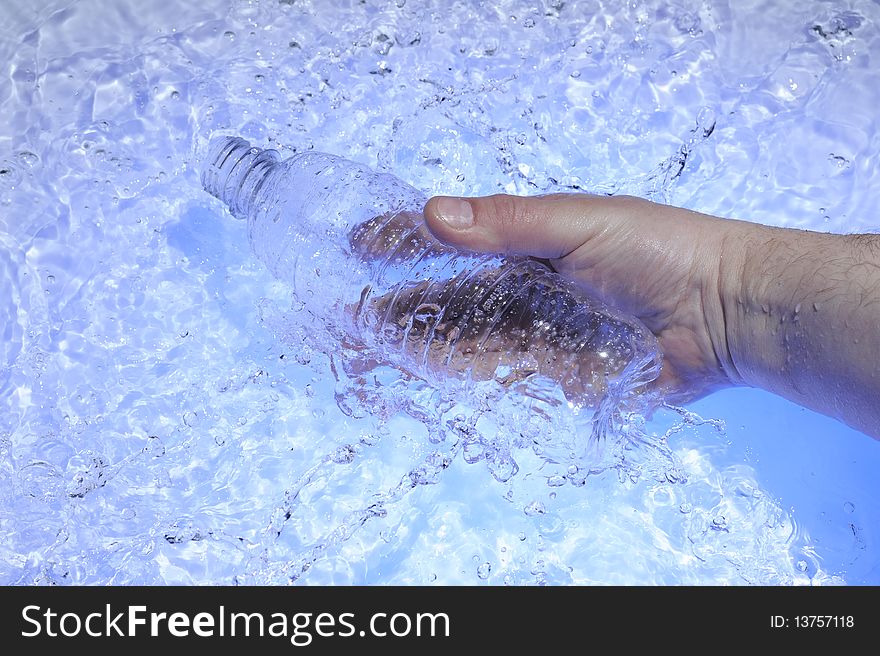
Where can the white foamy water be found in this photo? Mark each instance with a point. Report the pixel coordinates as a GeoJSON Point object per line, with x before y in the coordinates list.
{"type": "Point", "coordinates": [167, 415]}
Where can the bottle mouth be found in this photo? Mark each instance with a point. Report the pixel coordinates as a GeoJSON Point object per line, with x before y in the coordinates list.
{"type": "Point", "coordinates": [233, 171]}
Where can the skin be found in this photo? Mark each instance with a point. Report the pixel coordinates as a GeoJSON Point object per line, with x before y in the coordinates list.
{"type": "Point", "coordinates": [433, 320]}
{"type": "Point", "coordinates": [794, 312]}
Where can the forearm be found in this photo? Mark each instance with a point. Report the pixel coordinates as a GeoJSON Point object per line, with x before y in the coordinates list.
{"type": "Point", "coordinates": [802, 318]}
{"type": "Point", "coordinates": [731, 302]}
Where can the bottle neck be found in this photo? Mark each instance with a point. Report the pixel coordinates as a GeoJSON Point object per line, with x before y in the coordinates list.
{"type": "Point", "coordinates": [234, 171]}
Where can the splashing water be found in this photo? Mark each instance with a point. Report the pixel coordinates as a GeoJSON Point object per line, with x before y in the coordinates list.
{"type": "Point", "coordinates": [171, 416]}
{"type": "Point", "coordinates": [353, 245]}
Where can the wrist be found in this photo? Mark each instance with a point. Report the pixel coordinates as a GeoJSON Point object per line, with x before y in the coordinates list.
{"type": "Point", "coordinates": [781, 293]}
{"type": "Point", "coordinates": [726, 291]}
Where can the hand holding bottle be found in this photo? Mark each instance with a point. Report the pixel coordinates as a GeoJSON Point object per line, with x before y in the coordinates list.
{"type": "Point", "coordinates": [731, 302]}
{"type": "Point", "coordinates": [353, 244]}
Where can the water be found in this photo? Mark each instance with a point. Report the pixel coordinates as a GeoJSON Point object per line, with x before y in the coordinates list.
{"type": "Point", "coordinates": [352, 244]}
{"type": "Point", "coordinates": [168, 416]}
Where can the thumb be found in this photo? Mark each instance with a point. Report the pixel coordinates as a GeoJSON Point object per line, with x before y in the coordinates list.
{"type": "Point", "coordinates": [539, 226]}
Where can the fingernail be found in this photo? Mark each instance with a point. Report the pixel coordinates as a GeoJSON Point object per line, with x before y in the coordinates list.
{"type": "Point", "coordinates": [457, 212]}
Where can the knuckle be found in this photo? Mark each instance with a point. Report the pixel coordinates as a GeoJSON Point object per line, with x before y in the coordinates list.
{"type": "Point", "coordinates": [507, 216]}
{"type": "Point", "coordinates": [502, 207]}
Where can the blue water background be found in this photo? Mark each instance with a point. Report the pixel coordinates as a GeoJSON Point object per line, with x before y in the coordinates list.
{"type": "Point", "coordinates": [158, 423]}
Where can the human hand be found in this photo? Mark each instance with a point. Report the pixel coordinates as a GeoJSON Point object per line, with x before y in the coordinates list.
{"type": "Point", "coordinates": [661, 264]}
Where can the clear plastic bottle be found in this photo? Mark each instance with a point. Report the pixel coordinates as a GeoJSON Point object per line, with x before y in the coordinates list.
{"type": "Point", "coordinates": [353, 244]}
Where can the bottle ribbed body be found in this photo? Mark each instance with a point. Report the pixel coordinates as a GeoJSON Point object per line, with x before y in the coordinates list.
{"type": "Point", "coordinates": [353, 244]}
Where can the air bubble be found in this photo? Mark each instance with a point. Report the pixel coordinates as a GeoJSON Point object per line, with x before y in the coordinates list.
{"type": "Point", "coordinates": [484, 570]}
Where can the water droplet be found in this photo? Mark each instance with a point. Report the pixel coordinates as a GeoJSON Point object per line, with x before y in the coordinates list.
{"type": "Point", "coordinates": [522, 537]}
{"type": "Point", "coordinates": [503, 467]}
{"type": "Point", "coordinates": [685, 508]}
{"type": "Point", "coordinates": [229, 34]}
{"type": "Point", "coordinates": [484, 570]}
{"type": "Point", "coordinates": [556, 481]}
{"type": "Point", "coordinates": [175, 95]}
{"type": "Point", "coordinates": [154, 447]}
{"type": "Point", "coordinates": [344, 454]}
{"type": "Point", "coordinates": [28, 158]}
{"type": "Point", "coordinates": [534, 508]}
{"type": "Point", "coordinates": [849, 507]}
{"type": "Point", "coordinates": [472, 451]}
